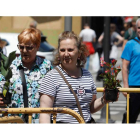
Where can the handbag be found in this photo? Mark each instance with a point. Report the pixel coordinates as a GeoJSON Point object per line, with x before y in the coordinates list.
{"type": "Point", "coordinates": [25, 97]}
{"type": "Point", "coordinates": [90, 47]}
{"type": "Point", "coordinates": [77, 101]}
{"type": "Point", "coordinates": [113, 52]}
{"type": "Point", "coordinates": [95, 62]}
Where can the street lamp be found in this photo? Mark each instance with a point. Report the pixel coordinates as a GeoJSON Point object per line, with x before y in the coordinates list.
{"type": "Point", "coordinates": [68, 23]}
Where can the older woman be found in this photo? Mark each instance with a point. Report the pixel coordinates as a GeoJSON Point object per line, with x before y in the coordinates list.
{"type": "Point", "coordinates": [34, 69]}
{"type": "Point", "coordinates": [54, 91]}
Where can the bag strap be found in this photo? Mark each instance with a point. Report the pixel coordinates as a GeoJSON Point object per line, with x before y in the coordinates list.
{"type": "Point", "coordinates": [70, 87]}
{"type": "Point", "coordinates": [25, 97]}
{"type": "Point", "coordinates": [136, 40]}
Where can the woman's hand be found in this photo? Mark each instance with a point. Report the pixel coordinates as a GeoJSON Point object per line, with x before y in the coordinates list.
{"type": "Point", "coordinates": [1, 102]}
{"type": "Point", "coordinates": [104, 101]}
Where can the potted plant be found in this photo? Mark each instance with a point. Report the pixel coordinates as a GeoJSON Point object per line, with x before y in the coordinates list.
{"type": "Point", "coordinates": [7, 73]}
{"type": "Point", "coordinates": [111, 83]}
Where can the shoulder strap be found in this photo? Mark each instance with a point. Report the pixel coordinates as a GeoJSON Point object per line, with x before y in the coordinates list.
{"type": "Point", "coordinates": [70, 87]}
{"type": "Point", "coordinates": [25, 97]}
{"type": "Point", "coordinates": [136, 40]}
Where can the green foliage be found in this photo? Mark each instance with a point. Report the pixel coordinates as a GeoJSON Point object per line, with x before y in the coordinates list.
{"type": "Point", "coordinates": [5, 69]}
{"type": "Point", "coordinates": [10, 58]}
{"type": "Point", "coordinates": [110, 74]}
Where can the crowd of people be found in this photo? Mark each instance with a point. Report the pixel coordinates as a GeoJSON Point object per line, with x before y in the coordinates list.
{"type": "Point", "coordinates": [45, 85]}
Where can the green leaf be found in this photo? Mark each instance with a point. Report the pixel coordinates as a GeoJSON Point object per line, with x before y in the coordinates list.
{"type": "Point", "coordinates": [6, 84]}
{"type": "Point", "coordinates": [4, 92]}
{"type": "Point", "coordinates": [9, 75]}
{"type": "Point", "coordinates": [9, 59]}
{"type": "Point", "coordinates": [3, 56]}
{"type": "Point", "coordinates": [118, 85]}
{"type": "Point", "coordinates": [6, 73]}
{"type": "Point", "coordinates": [3, 70]}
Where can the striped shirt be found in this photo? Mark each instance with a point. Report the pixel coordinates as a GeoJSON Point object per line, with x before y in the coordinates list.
{"type": "Point", "coordinates": [84, 87]}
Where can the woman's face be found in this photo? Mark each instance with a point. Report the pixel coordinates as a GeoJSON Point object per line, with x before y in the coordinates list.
{"type": "Point", "coordinates": [28, 51]}
{"type": "Point", "coordinates": [68, 52]}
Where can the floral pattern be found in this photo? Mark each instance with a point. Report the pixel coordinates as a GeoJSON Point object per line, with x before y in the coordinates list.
{"type": "Point", "coordinates": [33, 80]}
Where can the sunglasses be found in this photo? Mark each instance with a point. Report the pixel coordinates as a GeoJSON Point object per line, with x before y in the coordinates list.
{"type": "Point", "coordinates": [28, 47]}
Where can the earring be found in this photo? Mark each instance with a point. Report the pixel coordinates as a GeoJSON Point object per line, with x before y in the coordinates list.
{"type": "Point", "coordinates": [78, 60]}
{"type": "Point", "coordinates": [58, 58]}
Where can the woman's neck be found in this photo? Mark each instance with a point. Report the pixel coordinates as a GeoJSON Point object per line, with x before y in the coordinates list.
{"type": "Point", "coordinates": [28, 65]}
{"type": "Point", "coordinates": [73, 71]}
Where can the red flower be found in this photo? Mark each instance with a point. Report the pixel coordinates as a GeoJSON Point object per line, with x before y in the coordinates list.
{"type": "Point", "coordinates": [102, 61]}
{"type": "Point", "coordinates": [113, 61]}
{"type": "Point", "coordinates": [102, 65]}
{"type": "Point", "coordinates": [119, 67]}
{"type": "Point", "coordinates": [110, 74]}
{"type": "Point", "coordinates": [116, 71]}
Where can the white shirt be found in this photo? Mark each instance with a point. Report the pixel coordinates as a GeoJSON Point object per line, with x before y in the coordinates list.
{"type": "Point", "coordinates": [87, 35]}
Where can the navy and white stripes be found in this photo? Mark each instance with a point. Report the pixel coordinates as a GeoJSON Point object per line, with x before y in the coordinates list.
{"type": "Point", "coordinates": [54, 85]}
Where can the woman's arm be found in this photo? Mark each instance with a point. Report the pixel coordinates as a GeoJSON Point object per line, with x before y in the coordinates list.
{"type": "Point", "coordinates": [45, 101]}
{"type": "Point", "coordinates": [100, 39]}
{"type": "Point", "coordinates": [120, 40]}
{"type": "Point", "coordinates": [97, 104]}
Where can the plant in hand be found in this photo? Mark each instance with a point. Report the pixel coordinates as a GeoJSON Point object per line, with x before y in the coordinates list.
{"type": "Point", "coordinates": [5, 69]}
{"type": "Point", "coordinates": [110, 74]}
{"type": "Point", "coordinates": [111, 83]}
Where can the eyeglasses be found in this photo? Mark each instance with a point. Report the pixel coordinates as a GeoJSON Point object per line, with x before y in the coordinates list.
{"type": "Point", "coordinates": [28, 47]}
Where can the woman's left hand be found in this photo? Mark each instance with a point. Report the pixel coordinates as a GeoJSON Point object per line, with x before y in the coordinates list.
{"type": "Point", "coordinates": [106, 101]}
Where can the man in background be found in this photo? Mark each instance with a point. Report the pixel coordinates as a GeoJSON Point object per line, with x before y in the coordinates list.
{"type": "Point", "coordinates": [130, 33]}
{"type": "Point", "coordinates": [44, 46]}
{"type": "Point", "coordinates": [33, 24]}
{"type": "Point", "coordinates": [131, 74]}
{"type": "Point", "coordinates": [88, 36]}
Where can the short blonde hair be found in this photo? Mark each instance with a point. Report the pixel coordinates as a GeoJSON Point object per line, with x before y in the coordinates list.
{"type": "Point", "coordinates": [30, 34]}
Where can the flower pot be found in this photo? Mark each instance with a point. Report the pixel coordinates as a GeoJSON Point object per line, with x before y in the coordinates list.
{"type": "Point", "coordinates": [7, 99]}
{"type": "Point", "coordinates": [111, 94]}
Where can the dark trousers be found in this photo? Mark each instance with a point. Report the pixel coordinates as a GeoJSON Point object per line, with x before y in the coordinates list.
{"type": "Point", "coordinates": [134, 107]}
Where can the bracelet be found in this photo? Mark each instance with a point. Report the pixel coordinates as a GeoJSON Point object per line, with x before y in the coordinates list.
{"type": "Point", "coordinates": [102, 101]}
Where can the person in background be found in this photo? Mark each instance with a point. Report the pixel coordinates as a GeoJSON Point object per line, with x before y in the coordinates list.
{"type": "Point", "coordinates": [34, 67]}
{"type": "Point", "coordinates": [126, 26]}
{"type": "Point", "coordinates": [33, 24]}
{"type": "Point", "coordinates": [130, 72]}
{"type": "Point", "coordinates": [54, 92]}
{"type": "Point", "coordinates": [115, 40]}
{"type": "Point", "coordinates": [130, 33]}
{"type": "Point", "coordinates": [88, 36]}
{"type": "Point", "coordinates": [3, 47]}
{"type": "Point", "coordinates": [45, 46]}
